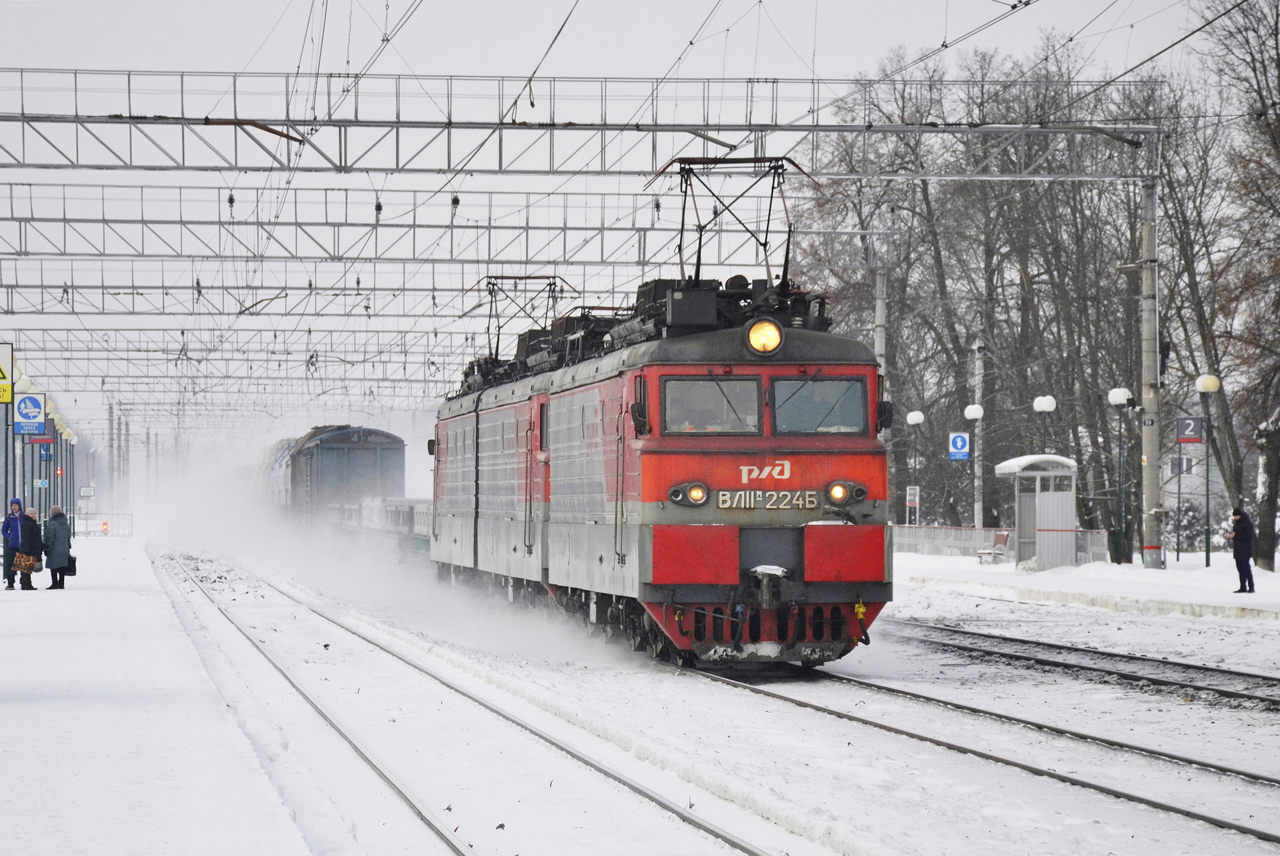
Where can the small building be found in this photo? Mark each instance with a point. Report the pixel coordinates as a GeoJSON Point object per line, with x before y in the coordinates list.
{"type": "Point", "coordinates": [1045, 520]}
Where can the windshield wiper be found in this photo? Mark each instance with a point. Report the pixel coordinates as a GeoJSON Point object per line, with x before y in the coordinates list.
{"type": "Point", "coordinates": [716, 380]}
{"type": "Point", "coordinates": [808, 380]}
{"type": "Point", "coordinates": [833, 406]}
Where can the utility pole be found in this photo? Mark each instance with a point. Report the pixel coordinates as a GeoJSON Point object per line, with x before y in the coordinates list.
{"type": "Point", "coordinates": [111, 449]}
{"type": "Point", "coordinates": [979, 369]}
{"type": "Point", "coordinates": [882, 299]}
{"type": "Point", "coordinates": [127, 469]}
{"type": "Point", "coordinates": [1152, 493]}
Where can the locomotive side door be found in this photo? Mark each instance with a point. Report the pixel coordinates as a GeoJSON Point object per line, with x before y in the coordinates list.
{"type": "Point", "coordinates": [538, 508]}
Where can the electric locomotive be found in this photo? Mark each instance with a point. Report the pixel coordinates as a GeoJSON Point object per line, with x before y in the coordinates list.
{"type": "Point", "coordinates": [702, 475]}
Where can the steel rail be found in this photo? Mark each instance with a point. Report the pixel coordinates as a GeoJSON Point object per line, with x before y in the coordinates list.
{"type": "Point", "coordinates": [1236, 673]}
{"type": "Point", "coordinates": [452, 841]}
{"type": "Point", "coordinates": [998, 759]}
{"type": "Point", "coordinates": [662, 802]}
{"type": "Point", "coordinates": [1053, 729]}
{"type": "Point", "coordinates": [1065, 664]}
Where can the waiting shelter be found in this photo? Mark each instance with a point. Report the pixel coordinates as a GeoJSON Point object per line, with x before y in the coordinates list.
{"type": "Point", "coordinates": [1044, 510]}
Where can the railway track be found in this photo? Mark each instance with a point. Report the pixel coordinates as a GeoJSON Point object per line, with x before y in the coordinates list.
{"type": "Point", "coordinates": [1050, 729]}
{"type": "Point", "coordinates": [1253, 779]}
{"type": "Point", "coordinates": [1228, 683]}
{"type": "Point", "coordinates": [1034, 769]}
{"type": "Point", "coordinates": [427, 817]}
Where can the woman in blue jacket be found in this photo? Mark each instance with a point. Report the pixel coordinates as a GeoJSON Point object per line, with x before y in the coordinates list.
{"type": "Point", "coordinates": [11, 533]}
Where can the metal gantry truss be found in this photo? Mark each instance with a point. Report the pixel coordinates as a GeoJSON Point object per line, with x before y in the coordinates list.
{"type": "Point", "coordinates": [87, 360]}
{"type": "Point", "coordinates": [627, 127]}
{"type": "Point", "coordinates": [343, 261]}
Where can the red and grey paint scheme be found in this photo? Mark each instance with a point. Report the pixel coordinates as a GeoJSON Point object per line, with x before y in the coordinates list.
{"type": "Point", "coordinates": [569, 482]}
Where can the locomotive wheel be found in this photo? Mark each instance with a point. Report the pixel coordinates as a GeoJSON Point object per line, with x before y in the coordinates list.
{"type": "Point", "coordinates": [636, 638]}
{"type": "Point", "coordinates": [658, 647]}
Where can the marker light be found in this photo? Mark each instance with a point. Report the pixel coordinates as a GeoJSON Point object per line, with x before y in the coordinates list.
{"type": "Point", "coordinates": [838, 492]}
{"type": "Point", "coordinates": [697, 494]}
{"type": "Point", "coordinates": [764, 336]}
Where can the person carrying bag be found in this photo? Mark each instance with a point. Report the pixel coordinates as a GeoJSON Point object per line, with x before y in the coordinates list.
{"type": "Point", "coordinates": [27, 561]}
{"type": "Point", "coordinates": [57, 546]}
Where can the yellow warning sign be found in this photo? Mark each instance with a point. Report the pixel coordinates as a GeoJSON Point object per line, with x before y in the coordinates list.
{"type": "Point", "coordinates": [6, 393]}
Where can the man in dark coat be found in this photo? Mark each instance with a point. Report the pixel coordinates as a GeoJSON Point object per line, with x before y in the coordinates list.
{"type": "Point", "coordinates": [11, 533]}
{"type": "Point", "coordinates": [57, 546]}
{"type": "Point", "coordinates": [32, 545]}
{"type": "Point", "coordinates": [1242, 547]}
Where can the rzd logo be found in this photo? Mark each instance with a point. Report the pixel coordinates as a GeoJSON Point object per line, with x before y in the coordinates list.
{"type": "Point", "coordinates": [779, 470]}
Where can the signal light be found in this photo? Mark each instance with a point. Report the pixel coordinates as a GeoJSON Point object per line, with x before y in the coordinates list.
{"type": "Point", "coordinates": [105, 527]}
{"type": "Point", "coordinates": [58, 472]}
{"type": "Point", "coordinates": [764, 336]}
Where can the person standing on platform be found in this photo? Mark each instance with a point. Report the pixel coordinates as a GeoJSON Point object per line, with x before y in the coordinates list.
{"type": "Point", "coordinates": [11, 532]}
{"type": "Point", "coordinates": [57, 546]}
{"type": "Point", "coordinates": [32, 545]}
{"type": "Point", "coordinates": [1242, 548]}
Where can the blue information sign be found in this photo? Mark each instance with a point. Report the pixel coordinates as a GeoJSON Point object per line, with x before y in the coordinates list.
{"type": "Point", "coordinates": [28, 414]}
{"type": "Point", "coordinates": [959, 446]}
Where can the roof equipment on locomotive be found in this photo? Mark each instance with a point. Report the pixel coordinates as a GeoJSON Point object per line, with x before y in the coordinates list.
{"type": "Point", "coordinates": [701, 473]}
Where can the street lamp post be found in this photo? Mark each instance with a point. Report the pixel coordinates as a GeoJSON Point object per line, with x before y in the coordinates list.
{"type": "Point", "coordinates": [1044, 405]}
{"type": "Point", "coordinates": [1207, 385]}
{"type": "Point", "coordinates": [1120, 398]}
{"type": "Point", "coordinates": [974, 414]}
{"type": "Point", "coordinates": [914, 418]}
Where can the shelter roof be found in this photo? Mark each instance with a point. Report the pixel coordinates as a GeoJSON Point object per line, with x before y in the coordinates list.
{"type": "Point", "coordinates": [1035, 464]}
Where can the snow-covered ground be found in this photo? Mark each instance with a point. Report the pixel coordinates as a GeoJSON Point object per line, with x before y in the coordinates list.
{"type": "Point", "coordinates": [788, 779]}
{"type": "Point", "coordinates": [113, 739]}
{"type": "Point", "coordinates": [1185, 587]}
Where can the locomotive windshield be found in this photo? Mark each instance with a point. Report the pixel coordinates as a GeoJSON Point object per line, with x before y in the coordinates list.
{"type": "Point", "coordinates": [710, 405]}
{"type": "Point", "coordinates": [820, 406]}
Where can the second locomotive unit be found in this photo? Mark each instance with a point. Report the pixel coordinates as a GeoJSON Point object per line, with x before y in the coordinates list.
{"type": "Point", "coordinates": [703, 475]}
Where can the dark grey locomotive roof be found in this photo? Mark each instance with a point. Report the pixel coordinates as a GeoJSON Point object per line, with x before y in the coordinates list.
{"type": "Point", "coordinates": [344, 435]}
{"type": "Point", "coordinates": [715, 347]}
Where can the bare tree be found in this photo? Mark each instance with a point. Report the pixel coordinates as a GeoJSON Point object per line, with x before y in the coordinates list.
{"type": "Point", "coordinates": [1245, 53]}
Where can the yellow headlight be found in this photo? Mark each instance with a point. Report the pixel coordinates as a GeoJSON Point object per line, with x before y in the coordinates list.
{"type": "Point", "coordinates": [697, 493]}
{"type": "Point", "coordinates": [765, 336]}
{"type": "Point", "coordinates": [838, 493]}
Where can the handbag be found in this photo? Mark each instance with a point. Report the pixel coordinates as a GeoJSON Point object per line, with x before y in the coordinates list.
{"type": "Point", "coordinates": [70, 569]}
{"type": "Point", "coordinates": [24, 564]}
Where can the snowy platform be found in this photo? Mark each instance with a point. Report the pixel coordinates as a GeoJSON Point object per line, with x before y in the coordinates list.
{"type": "Point", "coordinates": [1186, 587]}
{"type": "Point", "coordinates": [113, 740]}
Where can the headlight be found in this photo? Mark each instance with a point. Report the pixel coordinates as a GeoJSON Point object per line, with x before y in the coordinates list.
{"type": "Point", "coordinates": [764, 336]}
{"type": "Point", "coordinates": [841, 493]}
{"type": "Point", "coordinates": [693, 494]}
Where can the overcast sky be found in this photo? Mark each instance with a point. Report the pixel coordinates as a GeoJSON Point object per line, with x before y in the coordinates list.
{"type": "Point", "coordinates": [761, 38]}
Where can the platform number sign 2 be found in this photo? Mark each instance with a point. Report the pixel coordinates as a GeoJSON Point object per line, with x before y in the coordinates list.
{"type": "Point", "coordinates": [1190, 429]}
{"type": "Point", "coordinates": [959, 446]}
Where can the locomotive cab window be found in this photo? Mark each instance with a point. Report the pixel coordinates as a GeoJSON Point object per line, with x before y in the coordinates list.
{"type": "Point", "coordinates": [710, 405]}
{"type": "Point", "coordinates": [820, 406]}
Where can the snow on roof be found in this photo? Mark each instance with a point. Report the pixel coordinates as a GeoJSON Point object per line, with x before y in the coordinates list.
{"type": "Point", "coordinates": [1035, 464]}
